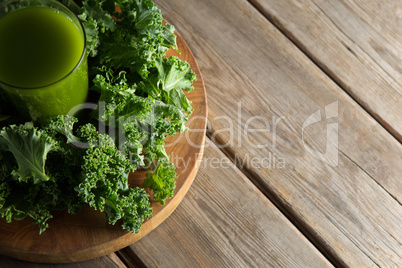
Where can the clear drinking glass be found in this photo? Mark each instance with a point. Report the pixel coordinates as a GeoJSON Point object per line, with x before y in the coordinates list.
{"type": "Point", "coordinates": [43, 59]}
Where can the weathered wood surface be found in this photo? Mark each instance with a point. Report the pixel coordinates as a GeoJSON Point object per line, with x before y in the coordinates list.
{"type": "Point", "coordinates": [357, 42]}
{"type": "Point", "coordinates": [351, 210]}
{"type": "Point", "coordinates": [109, 261]}
{"type": "Point", "coordinates": [87, 235]}
{"type": "Point", "coordinates": [262, 90]}
{"type": "Point", "coordinates": [225, 221]}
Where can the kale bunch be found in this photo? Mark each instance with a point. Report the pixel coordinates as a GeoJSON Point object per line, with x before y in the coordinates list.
{"type": "Point", "coordinates": [137, 99]}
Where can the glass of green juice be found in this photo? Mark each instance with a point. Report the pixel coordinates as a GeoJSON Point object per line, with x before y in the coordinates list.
{"type": "Point", "coordinates": [43, 61]}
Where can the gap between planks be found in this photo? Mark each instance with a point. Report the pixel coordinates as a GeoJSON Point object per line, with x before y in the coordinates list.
{"type": "Point", "coordinates": [277, 24]}
{"type": "Point", "coordinates": [368, 174]}
{"type": "Point", "coordinates": [129, 258]}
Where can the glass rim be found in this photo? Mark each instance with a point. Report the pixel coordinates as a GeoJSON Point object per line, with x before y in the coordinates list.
{"type": "Point", "coordinates": [75, 67]}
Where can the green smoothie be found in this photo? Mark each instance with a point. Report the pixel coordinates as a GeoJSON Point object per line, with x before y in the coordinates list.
{"type": "Point", "coordinates": [40, 48]}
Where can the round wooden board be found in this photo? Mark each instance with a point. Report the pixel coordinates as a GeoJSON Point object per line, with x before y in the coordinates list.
{"type": "Point", "coordinates": [87, 235]}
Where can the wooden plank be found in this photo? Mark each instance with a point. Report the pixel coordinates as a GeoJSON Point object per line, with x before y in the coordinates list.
{"type": "Point", "coordinates": [108, 261]}
{"type": "Point", "coordinates": [352, 209]}
{"type": "Point", "coordinates": [357, 42]}
{"type": "Point", "coordinates": [224, 221]}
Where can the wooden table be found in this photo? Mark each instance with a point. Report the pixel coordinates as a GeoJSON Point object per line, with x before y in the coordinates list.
{"type": "Point", "coordinates": [303, 159]}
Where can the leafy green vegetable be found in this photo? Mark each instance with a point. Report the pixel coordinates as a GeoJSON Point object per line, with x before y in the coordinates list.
{"type": "Point", "coordinates": [168, 81]}
{"type": "Point", "coordinates": [161, 181]}
{"type": "Point", "coordinates": [105, 186]}
{"type": "Point", "coordinates": [134, 39]}
{"type": "Point", "coordinates": [29, 147]}
{"type": "Point", "coordinates": [72, 161]}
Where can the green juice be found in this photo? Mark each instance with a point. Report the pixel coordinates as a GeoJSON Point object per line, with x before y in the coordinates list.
{"type": "Point", "coordinates": [43, 67]}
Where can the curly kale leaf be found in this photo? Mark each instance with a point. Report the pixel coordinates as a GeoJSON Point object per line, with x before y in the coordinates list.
{"type": "Point", "coordinates": [168, 80]}
{"type": "Point", "coordinates": [20, 201]}
{"type": "Point", "coordinates": [61, 128]}
{"type": "Point", "coordinates": [139, 37]}
{"type": "Point", "coordinates": [4, 193]}
{"type": "Point", "coordinates": [29, 147]}
{"type": "Point", "coordinates": [105, 185]}
{"type": "Point", "coordinates": [140, 122]}
{"type": "Point", "coordinates": [24, 193]}
{"type": "Point", "coordinates": [117, 100]}
{"type": "Point", "coordinates": [95, 21]}
{"type": "Point", "coordinates": [162, 180]}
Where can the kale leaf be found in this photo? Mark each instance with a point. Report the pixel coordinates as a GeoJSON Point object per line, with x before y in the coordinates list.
{"type": "Point", "coordinates": [29, 147]}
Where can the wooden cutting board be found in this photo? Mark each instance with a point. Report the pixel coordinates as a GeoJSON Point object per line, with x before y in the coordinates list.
{"type": "Point", "coordinates": [87, 235]}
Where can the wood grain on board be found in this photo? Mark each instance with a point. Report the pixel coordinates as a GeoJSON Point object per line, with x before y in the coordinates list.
{"type": "Point", "coordinates": [108, 261]}
{"type": "Point", "coordinates": [357, 42]}
{"type": "Point", "coordinates": [271, 110]}
{"type": "Point", "coordinates": [87, 235]}
{"type": "Point", "coordinates": [225, 221]}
